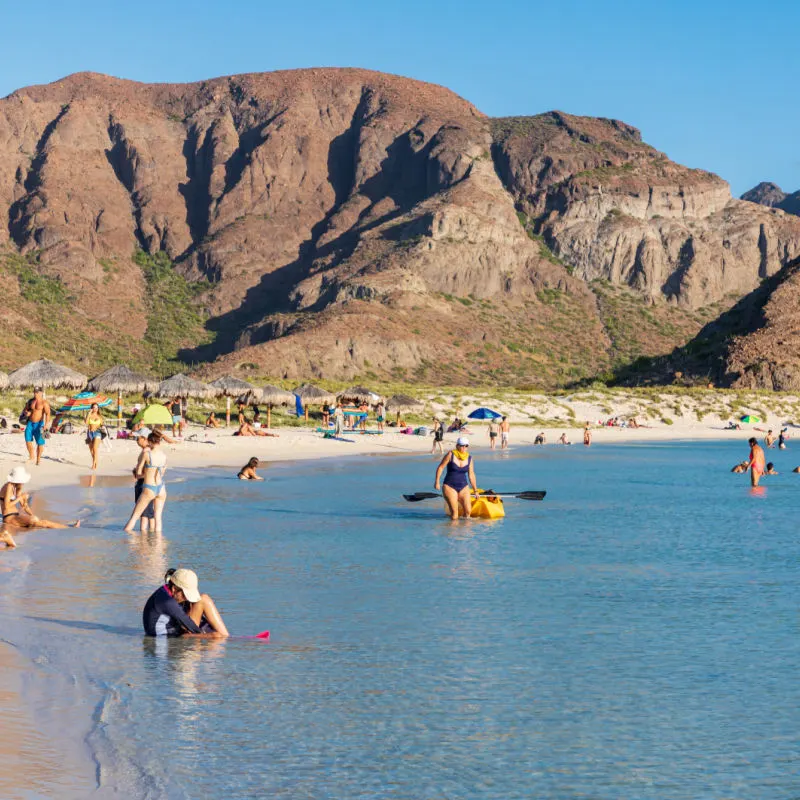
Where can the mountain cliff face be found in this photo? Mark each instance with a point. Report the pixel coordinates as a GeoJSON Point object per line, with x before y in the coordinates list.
{"type": "Point", "coordinates": [336, 223]}
{"type": "Point", "coordinates": [770, 194]}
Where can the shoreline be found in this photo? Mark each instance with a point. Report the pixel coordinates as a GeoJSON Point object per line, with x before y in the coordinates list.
{"type": "Point", "coordinates": [66, 458]}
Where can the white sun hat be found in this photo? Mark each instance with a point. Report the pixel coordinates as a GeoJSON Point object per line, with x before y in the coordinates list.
{"type": "Point", "coordinates": [462, 441]}
{"type": "Point", "coordinates": [18, 475]}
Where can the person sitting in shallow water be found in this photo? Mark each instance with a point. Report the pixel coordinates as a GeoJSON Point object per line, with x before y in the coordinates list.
{"type": "Point", "coordinates": [15, 504]}
{"type": "Point", "coordinates": [248, 471]}
{"type": "Point", "coordinates": [563, 439]}
{"type": "Point", "coordinates": [742, 466]}
{"type": "Point", "coordinates": [771, 469]}
{"type": "Point", "coordinates": [178, 608]}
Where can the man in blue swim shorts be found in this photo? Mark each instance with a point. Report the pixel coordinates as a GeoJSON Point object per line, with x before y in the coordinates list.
{"type": "Point", "coordinates": [37, 410]}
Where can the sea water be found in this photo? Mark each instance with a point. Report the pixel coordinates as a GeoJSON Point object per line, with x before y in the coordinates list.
{"type": "Point", "coordinates": [633, 636]}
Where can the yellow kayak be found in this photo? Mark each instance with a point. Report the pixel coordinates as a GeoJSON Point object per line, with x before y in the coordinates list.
{"type": "Point", "coordinates": [487, 507]}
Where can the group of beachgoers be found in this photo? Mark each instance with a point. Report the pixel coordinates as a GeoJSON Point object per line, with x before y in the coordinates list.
{"type": "Point", "coordinates": [756, 463]}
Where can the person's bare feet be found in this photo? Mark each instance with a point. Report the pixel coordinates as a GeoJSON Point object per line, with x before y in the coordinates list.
{"type": "Point", "coordinates": [6, 537]}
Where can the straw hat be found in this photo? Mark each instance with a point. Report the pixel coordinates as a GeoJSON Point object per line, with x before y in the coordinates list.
{"type": "Point", "coordinates": [18, 475]}
{"type": "Point", "coordinates": [186, 581]}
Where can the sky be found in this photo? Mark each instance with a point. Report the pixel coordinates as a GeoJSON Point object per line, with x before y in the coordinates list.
{"type": "Point", "coordinates": [712, 84]}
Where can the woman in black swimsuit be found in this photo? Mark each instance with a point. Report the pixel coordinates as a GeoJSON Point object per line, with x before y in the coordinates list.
{"type": "Point", "coordinates": [459, 476]}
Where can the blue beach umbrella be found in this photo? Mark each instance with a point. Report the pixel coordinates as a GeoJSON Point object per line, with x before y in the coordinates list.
{"type": "Point", "coordinates": [483, 413]}
{"type": "Point", "coordinates": [83, 402]}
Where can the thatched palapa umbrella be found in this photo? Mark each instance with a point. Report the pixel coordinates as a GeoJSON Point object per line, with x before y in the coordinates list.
{"type": "Point", "coordinates": [359, 394]}
{"type": "Point", "coordinates": [274, 396]}
{"type": "Point", "coordinates": [183, 386]}
{"type": "Point", "coordinates": [403, 402]}
{"type": "Point", "coordinates": [46, 374]}
{"type": "Point", "coordinates": [313, 395]}
{"type": "Point", "coordinates": [228, 386]}
{"type": "Point", "coordinates": [121, 379]}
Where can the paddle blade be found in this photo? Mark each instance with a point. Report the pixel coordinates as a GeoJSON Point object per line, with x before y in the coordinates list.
{"type": "Point", "coordinates": [531, 495]}
{"type": "Point", "coordinates": [417, 496]}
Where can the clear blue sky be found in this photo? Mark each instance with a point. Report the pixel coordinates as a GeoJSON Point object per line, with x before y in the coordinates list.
{"type": "Point", "coordinates": [713, 84]}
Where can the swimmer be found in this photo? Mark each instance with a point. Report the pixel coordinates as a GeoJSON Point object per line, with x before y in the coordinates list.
{"type": "Point", "coordinates": [460, 475]}
{"type": "Point", "coordinates": [539, 439]}
{"type": "Point", "coordinates": [15, 504]}
{"type": "Point", "coordinates": [771, 469]}
{"type": "Point", "coordinates": [178, 608]}
{"type": "Point", "coordinates": [248, 471]}
{"type": "Point", "coordinates": [756, 461]}
{"type": "Point", "coordinates": [740, 467]}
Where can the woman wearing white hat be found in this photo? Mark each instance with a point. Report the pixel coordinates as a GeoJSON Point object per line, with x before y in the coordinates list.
{"type": "Point", "coordinates": [177, 608]}
{"type": "Point", "coordinates": [459, 476]}
{"type": "Point", "coordinates": [14, 503]}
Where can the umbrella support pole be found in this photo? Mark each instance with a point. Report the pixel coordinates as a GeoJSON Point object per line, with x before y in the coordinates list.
{"type": "Point", "coordinates": [269, 417]}
{"type": "Point", "coordinates": [305, 409]}
{"type": "Point", "coordinates": [119, 408]}
{"type": "Point", "coordinates": [227, 412]}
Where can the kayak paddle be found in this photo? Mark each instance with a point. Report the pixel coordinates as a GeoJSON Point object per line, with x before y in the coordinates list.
{"type": "Point", "coordinates": [417, 496]}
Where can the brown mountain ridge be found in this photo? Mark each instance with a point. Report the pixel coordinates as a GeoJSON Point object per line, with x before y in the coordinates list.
{"type": "Point", "coordinates": [340, 223]}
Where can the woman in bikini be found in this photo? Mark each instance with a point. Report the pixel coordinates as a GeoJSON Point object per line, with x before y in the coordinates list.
{"type": "Point", "coordinates": [248, 471]}
{"type": "Point", "coordinates": [14, 503]}
{"type": "Point", "coordinates": [94, 435]}
{"type": "Point", "coordinates": [151, 466]}
{"type": "Point", "coordinates": [459, 476]}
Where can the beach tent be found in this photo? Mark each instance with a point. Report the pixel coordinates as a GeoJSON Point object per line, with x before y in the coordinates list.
{"type": "Point", "coordinates": [154, 414]}
{"type": "Point", "coordinates": [47, 374]}
{"type": "Point", "coordinates": [483, 413]}
{"type": "Point", "coordinates": [121, 379]}
{"type": "Point", "coordinates": [228, 386]}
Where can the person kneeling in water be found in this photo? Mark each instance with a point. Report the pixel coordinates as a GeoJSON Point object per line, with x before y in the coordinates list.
{"type": "Point", "coordinates": [178, 608]}
{"type": "Point", "coordinates": [248, 471]}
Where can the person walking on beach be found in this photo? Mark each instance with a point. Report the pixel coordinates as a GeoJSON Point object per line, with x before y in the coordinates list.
{"type": "Point", "coordinates": [505, 427]}
{"type": "Point", "coordinates": [438, 435]}
{"type": "Point", "coordinates": [176, 409]}
{"type": "Point", "coordinates": [380, 414]}
{"type": "Point", "coordinates": [756, 462]}
{"type": "Point", "coordinates": [494, 429]}
{"type": "Point", "coordinates": [94, 432]}
{"type": "Point", "coordinates": [459, 476]}
{"type": "Point", "coordinates": [151, 467]}
{"type": "Point", "coordinates": [148, 518]}
{"type": "Point", "coordinates": [587, 435]}
{"type": "Point", "coordinates": [37, 415]}
{"type": "Point", "coordinates": [15, 504]}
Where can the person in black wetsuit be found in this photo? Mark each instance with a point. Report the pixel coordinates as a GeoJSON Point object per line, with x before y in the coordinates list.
{"type": "Point", "coordinates": [177, 608]}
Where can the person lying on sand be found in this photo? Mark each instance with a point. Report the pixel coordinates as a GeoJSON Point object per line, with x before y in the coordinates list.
{"type": "Point", "coordinates": [740, 467]}
{"type": "Point", "coordinates": [246, 429]}
{"type": "Point", "coordinates": [14, 503]}
{"type": "Point", "coordinates": [771, 469]}
{"type": "Point", "coordinates": [248, 471]}
{"type": "Point", "coordinates": [178, 608]}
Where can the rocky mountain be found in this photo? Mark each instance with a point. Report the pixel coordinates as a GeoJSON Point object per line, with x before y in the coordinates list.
{"type": "Point", "coordinates": [342, 223]}
{"type": "Point", "coordinates": [770, 194]}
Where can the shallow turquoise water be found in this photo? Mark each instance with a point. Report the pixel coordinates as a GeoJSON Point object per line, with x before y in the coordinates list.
{"type": "Point", "coordinates": [634, 636]}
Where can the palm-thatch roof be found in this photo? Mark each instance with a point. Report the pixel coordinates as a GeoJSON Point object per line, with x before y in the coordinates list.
{"type": "Point", "coordinates": [183, 386]}
{"type": "Point", "coordinates": [3, 380]}
{"type": "Point", "coordinates": [121, 379]}
{"type": "Point", "coordinates": [403, 402]}
{"type": "Point", "coordinates": [310, 394]}
{"type": "Point", "coordinates": [358, 394]}
{"type": "Point", "coordinates": [47, 374]}
{"type": "Point", "coordinates": [229, 386]}
{"type": "Point", "coordinates": [268, 395]}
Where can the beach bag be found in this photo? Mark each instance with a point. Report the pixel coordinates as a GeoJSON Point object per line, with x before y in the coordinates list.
{"type": "Point", "coordinates": [68, 428]}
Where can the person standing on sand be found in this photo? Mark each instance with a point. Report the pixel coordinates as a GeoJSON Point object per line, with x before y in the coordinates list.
{"type": "Point", "coordinates": [494, 429]}
{"type": "Point", "coordinates": [37, 414]}
{"type": "Point", "coordinates": [505, 427]}
{"type": "Point", "coordinates": [587, 435]}
{"type": "Point", "coordinates": [94, 432]}
{"type": "Point", "coordinates": [756, 462]}
{"type": "Point", "coordinates": [338, 420]}
{"type": "Point", "coordinates": [380, 413]}
{"type": "Point", "coordinates": [438, 435]}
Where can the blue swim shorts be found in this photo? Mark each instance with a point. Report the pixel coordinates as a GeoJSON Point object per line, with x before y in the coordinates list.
{"type": "Point", "coordinates": [34, 432]}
